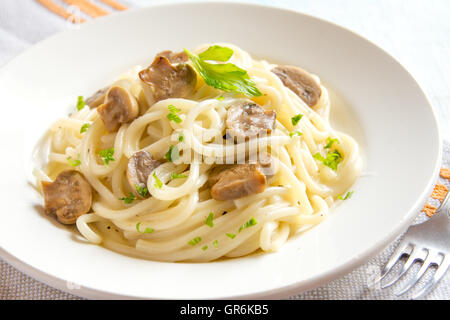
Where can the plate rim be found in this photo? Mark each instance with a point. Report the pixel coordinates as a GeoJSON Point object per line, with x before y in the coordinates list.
{"type": "Point", "coordinates": [279, 292]}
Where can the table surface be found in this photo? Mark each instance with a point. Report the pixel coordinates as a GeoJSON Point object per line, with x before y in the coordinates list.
{"type": "Point", "coordinates": [415, 32]}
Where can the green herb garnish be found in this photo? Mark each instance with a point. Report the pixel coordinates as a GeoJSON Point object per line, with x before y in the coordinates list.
{"type": "Point", "coordinates": [143, 191]}
{"type": "Point", "coordinates": [248, 224]}
{"type": "Point", "coordinates": [80, 103]}
{"type": "Point", "coordinates": [216, 243]}
{"type": "Point", "coordinates": [296, 119]}
{"type": "Point", "coordinates": [204, 248]}
{"type": "Point", "coordinates": [173, 154]}
{"type": "Point", "coordinates": [158, 183]}
{"type": "Point", "coordinates": [231, 235]}
{"type": "Point", "coordinates": [223, 76]}
{"type": "Point", "coordinates": [147, 230]}
{"type": "Point", "coordinates": [173, 116]}
{"type": "Point", "coordinates": [107, 155]}
{"type": "Point", "coordinates": [84, 127]}
{"type": "Point", "coordinates": [295, 133]}
{"type": "Point", "coordinates": [348, 195]}
{"type": "Point", "coordinates": [209, 220]}
{"type": "Point", "coordinates": [194, 241]}
{"type": "Point", "coordinates": [332, 160]}
{"type": "Point", "coordinates": [177, 176]}
{"type": "Point", "coordinates": [330, 142]}
{"type": "Point", "coordinates": [73, 163]}
{"type": "Point", "coordinates": [181, 137]}
{"type": "Point", "coordinates": [221, 98]}
{"type": "Point", "coordinates": [128, 199]}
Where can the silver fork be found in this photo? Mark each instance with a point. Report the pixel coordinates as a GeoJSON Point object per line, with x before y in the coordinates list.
{"type": "Point", "coordinates": [429, 243]}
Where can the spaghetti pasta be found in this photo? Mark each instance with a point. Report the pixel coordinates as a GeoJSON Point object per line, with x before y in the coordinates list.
{"type": "Point", "coordinates": [180, 220]}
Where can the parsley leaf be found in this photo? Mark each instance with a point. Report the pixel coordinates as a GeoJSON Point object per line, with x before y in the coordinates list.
{"type": "Point", "coordinates": [181, 137]}
{"type": "Point", "coordinates": [73, 163]}
{"type": "Point", "coordinates": [216, 53]}
{"type": "Point", "coordinates": [216, 243]}
{"type": "Point", "coordinates": [173, 154]}
{"type": "Point", "coordinates": [296, 119]}
{"type": "Point", "coordinates": [209, 220]}
{"type": "Point", "coordinates": [231, 235]}
{"type": "Point", "coordinates": [330, 142]}
{"type": "Point", "coordinates": [177, 176]}
{"type": "Point", "coordinates": [147, 230]}
{"type": "Point", "coordinates": [143, 191]}
{"type": "Point", "coordinates": [194, 241]}
{"type": "Point", "coordinates": [129, 199]}
{"type": "Point", "coordinates": [107, 155]}
{"type": "Point", "coordinates": [248, 224]}
{"type": "Point", "coordinates": [158, 183]}
{"type": "Point", "coordinates": [172, 116]}
{"type": "Point", "coordinates": [204, 248]}
{"type": "Point", "coordinates": [84, 127]}
{"type": "Point", "coordinates": [295, 133]}
{"type": "Point", "coordinates": [80, 103]}
{"type": "Point", "coordinates": [226, 76]}
{"type": "Point", "coordinates": [332, 160]}
{"type": "Point", "coordinates": [348, 195]}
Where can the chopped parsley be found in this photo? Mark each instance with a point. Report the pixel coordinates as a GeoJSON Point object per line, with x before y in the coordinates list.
{"type": "Point", "coordinates": [177, 176]}
{"type": "Point", "coordinates": [223, 76]}
{"type": "Point", "coordinates": [73, 163]}
{"type": "Point", "coordinates": [173, 154]}
{"type": "Point", "coordinates": [158, 183]}
{"type": "Point", "coordinates": [216, 243]}
{"type": "Point", "coordinates": [147, 230]}
{"type": "Point", "coordinates": [181, 137]}
{"type": "Point", "coordinates": [128, 199]}
{"type": "Point", "coordinates": [248, 224]}
{"type": "Point", "coordinates": [204, 248]}
{"type": "Point", "coordinates": [330, 143]}
{"type": "Point", "coordinates": [80, 103]}
{"type": "Point", "coordinates": [231, 235]}
{"type": "Point", "coordinates": [194, 241]}
{"type": "Point", "coordinates": [107, 155]}
{"type": "Point", "coordinates": [295, 133]}
{"type": "Point", "coordinates": [143, 191]}
{"type": "Point", "coordinates": [332, 159]}
{"type": "Point", "coordinates": [221, 98]}
{"type": "Point", "coordinates": [173, 116]}
{"type": "Point", "coordinates": [84, 127]}
{"type": "Point", "coordinates": [348, 195]}
{"type": "Point", "coordinates": [296, 119]}
{"type": "Point", "coordinates": [209, 220]}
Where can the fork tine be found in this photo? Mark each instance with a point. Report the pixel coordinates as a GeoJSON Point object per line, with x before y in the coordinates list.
{"type": "Point", "coordinates": [399, 251]}
{"type": "Point", "coordinates": [426, 264]}
{"type": "Point", "coordinates": [413, 256]}
{"type": "Point", "coordinates": [441, 270]}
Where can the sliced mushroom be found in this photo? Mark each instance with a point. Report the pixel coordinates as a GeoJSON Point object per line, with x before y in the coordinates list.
{"type": "Point", "coordinates": [69, 196]}
{"type": "Point", "coordinates": [162, 80]}
{"type": "Point", "coordinates": [97, 98]}
{"type": "Point", "coordinates": [237, 181]}
{"type": "Point", "coordinates": [301, 82]}
{"type": "Point", "coordinates": [247, 119]}
{"type": "Point", "coordinates": [120, 107]}
{"type": "Point", "coordinates": [140, 165]}
{"type": "Point", "coordinates": [174, 58]}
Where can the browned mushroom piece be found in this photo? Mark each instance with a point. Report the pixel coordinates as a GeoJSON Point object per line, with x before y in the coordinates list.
{"type": "Point", "coordinates": [97, 98]}
{"type": "Point", "coordinates": [247, 119]}
{"type": "Point", "coordinates": [140, 165]}
{"type": "Point", "coordinates": [237, 181]}
{"type": "Point", "coordinates": [162, 80]}
{"type": "Point", "coordinates": [300, 82]}
{"type": "Point", "coordinates": [120, 107]}
{"type": "Point", "coordinates": [173, 57]}
{"type": "Point", "coordinates": [69, 196]}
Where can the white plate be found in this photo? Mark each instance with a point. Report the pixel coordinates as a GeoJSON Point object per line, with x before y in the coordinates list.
{"type": "Point", "coordinates": [386, 111]}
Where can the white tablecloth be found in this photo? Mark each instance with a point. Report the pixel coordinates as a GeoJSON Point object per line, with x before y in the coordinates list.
{"type": "Point", "coordinates": [416, 32]}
